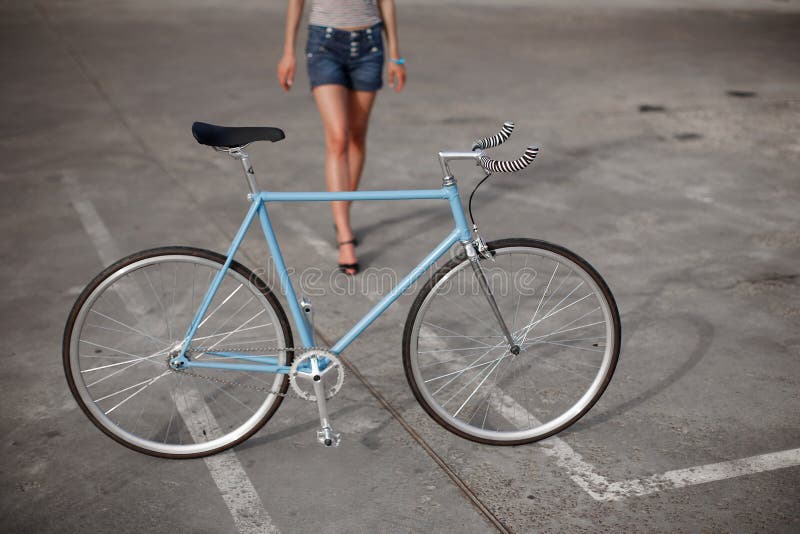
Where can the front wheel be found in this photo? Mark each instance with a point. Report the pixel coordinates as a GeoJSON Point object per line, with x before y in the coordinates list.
{"type": "Point", "coordinates": [132, 315]}
{"type": "Point", "coordinates": [560, 313]}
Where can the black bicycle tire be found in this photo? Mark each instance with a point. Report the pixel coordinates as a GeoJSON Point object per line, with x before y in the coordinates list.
{"type": "Point", "coordinates": [493, 246]}
{"type": "Point", "coordinates": [167, 251]}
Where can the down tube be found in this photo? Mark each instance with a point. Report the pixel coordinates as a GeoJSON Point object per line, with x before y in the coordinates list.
{"type": "Point", "coordinates": [390, 297]}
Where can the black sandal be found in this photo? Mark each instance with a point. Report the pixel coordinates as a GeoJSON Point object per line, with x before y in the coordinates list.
{"type": "Point", "coordinates": [345, 267]}
{"type": "Point", "coordinates": [354, 240]}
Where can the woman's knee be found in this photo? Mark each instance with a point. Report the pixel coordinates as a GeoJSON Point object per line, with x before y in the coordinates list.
{"type": "Point", "coordinates": [358, 137]}
{"type": "Point", "coordinates": [337, 141]}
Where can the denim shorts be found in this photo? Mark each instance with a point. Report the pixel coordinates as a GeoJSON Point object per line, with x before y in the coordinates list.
{"type": "Point", "coordinates": [352, 59]}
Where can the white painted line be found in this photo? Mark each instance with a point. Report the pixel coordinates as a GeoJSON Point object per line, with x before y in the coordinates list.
{"type": "Point", "coordinates": [579, 470]}
{"type": "Point", "coordinates": [681, 478]}
{"type": "Point", "coordinates": [239, 494]}
{"type": "Point", "coordinates": [92, 223]}
{"type": "Point", "coordinates": [601, 489]}
{"type": "Point", "coordinates": [236, 488]}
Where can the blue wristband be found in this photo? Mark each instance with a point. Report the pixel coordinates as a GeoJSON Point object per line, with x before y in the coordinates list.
{"type": "Point", "coordinates": [398, 61]}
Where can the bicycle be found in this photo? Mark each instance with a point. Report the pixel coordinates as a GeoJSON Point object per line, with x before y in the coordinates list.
{"type": "Point", "coordinates": [494, 353]}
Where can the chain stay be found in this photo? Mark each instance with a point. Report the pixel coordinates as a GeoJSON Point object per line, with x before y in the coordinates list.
{"type": "Point", "coordinates": [203, 350]}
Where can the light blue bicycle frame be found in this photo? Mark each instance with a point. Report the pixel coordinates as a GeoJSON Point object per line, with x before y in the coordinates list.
{"type": "Point", "coordinates": [269, 363]}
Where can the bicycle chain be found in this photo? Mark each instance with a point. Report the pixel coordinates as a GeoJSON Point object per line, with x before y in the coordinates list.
{"type": "Point", "coordinates": [203, 350]}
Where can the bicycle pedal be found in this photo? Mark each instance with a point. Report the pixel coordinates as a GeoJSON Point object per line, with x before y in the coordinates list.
{"type": "Point", "coordinates": [328, 438]}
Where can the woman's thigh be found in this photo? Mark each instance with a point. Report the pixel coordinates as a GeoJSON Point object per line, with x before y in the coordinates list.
{"type": "Point", "coordinates": [358, 110]}
{"type": "Point", "coordinates": [332, 102]}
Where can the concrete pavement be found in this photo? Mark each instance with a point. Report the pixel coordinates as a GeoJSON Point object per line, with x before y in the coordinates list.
{"type": "Point", "coordinates": [670, 146]}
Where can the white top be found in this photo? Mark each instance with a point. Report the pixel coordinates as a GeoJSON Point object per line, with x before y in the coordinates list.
{"type": "Point", "coordinates": [344, 13]}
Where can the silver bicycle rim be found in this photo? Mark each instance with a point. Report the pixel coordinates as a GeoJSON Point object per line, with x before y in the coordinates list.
{"type": "Point", "coordinates": [461, 364]}
{"type": "Point", "coordinates": [118, 363]}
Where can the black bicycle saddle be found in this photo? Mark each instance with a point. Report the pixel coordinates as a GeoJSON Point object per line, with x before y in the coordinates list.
{"type": "Point", "coordinates": [232, 137]}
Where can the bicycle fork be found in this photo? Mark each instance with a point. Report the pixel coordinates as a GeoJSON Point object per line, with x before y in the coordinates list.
{"type": "Point", "coordinates": [474, 260]}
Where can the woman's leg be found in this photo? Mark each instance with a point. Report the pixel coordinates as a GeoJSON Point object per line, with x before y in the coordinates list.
{"type": "Point", "coordinates": [358, 110]}
{"type": "Point", "coordinates": [332, 102]}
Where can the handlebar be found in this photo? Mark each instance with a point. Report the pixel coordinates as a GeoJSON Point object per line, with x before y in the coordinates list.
{"type": "Point", "coordinates": [489, 165]}
{"type": "Point", "coordinates": [497, 139]}
{"type": "Point", "coordinates": [492, 165]}
{"type": "Point", "coordinates": [498, 165]}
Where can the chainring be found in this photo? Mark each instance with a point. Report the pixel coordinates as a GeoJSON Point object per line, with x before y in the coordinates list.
{"type": "Point", "coordinates": [302, 376]}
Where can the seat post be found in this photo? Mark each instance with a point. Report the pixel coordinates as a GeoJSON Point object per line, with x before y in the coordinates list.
{"type": "Point", "coordinates": [249, 174]}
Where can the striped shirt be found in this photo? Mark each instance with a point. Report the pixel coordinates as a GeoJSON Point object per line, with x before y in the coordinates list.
{"type": "Point", "coordinates": [344, 13]}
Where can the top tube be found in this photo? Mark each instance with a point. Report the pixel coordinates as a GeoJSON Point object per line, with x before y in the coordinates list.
{"type": "Point", "coordinates": [317, 196]}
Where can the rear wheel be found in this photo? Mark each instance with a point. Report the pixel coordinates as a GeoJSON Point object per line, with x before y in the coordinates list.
{"type": "Point", "coordinates": [128, 319]}
{"type": "Point", "coordinates": [560, 313]}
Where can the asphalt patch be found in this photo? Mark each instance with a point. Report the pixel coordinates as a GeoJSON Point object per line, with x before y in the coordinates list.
{"type": "Point", "coordinates": [651, 108]}
{"type": "Point", "coordinates": [741, 94]}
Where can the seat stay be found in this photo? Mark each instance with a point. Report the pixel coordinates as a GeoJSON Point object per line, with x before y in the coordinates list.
{"type": "Point", "coordinates": [217, 281]}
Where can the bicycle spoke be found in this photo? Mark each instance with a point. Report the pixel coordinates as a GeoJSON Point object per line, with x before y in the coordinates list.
{"type": "Point", "coordinates": [455, 414]}
{"type": "Point", "coordinates": [473, 379]}
{"type": "Point", "coordinates": [458, 375]}
{"type": "Point", "coordinates": [553, 309]}
{"type": "Point", "coordinates": [459, 336]}
{"type": "Point", "coordinates": [123, 390]}
{"type": "Point", "coordinates": [541, 300]}
{"type": "Point", "coordinates": [452, 332]}
{"type": "Point", "coordinates": [237, 330]}
{"type": "Point", "coordinates": [137, 362]}
{"type": "Point", "coordinates": [563, 329]}
{"type": "Point", "coordinates": [150, 383]}
{"type": "Point", "coordinates": [161, 305]}
{"type": "Point", "coordinates": [481, 321]}
{"type": "Point", "coordinates": [579, 339]}
{"type": "Point", "coordinates": [136, 357]}
{"type": "Point", "coordinates": [519, 295]}
{"type": "Point", "coordinates": [172, 412]}
{"type": "Point", "coordinates": [452, 350]}
{"type": "Point", "coordinates": [461, 370]}
{"type": "Point", "coordinates": [107, 329]}
{"type": "Point", "coordinates": [232, 332]}
{"type": "Point", "coordinates": [152, 338]}
{"type": "Point", "coordinates": [220, 305]}
{"type": "Point", "coordinates": [563, 281]}
{"type": "Point", "coordinates": [530, 329]}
